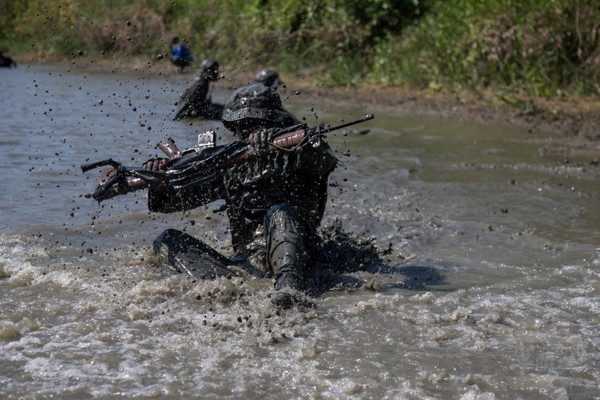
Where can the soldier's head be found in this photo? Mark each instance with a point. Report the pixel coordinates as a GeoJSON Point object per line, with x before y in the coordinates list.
{"type": "Point", "coordinates": [255, 107]}
{"type": "Point", "coordinates": [210, 69]}
{"type": "Point", "coordinates": [268, 77]}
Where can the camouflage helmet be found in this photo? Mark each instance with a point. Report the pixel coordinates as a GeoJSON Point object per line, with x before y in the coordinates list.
{"type": "Point", "coordinates": [268, 77]}
{"type": "Point", "coordinates": [255, 102]}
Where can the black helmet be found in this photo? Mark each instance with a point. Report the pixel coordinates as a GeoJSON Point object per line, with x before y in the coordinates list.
{"type": "Point", "coordinates": [210, 68]}
{"type": "Point", "coordinates": [209, 64]}
{"type": "Point", "coordinates": [255, 102]}
{"type": "Point", "coordinates": [268, 77]}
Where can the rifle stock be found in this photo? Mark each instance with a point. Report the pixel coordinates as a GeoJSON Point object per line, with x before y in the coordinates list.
{"type": "Point", "coordinates": [190, 169]}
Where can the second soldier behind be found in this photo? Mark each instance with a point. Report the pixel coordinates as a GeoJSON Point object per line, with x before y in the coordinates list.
{"type": "Point", "coordinates": [196, 101]}
{"type": "Point", "coordinates": [268, 77]}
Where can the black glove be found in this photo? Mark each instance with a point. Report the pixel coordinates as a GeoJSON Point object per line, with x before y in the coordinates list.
{"type": "Point", "coordinates": [262, 141]}
{"type": "Point", "coordinates": [155, 164]}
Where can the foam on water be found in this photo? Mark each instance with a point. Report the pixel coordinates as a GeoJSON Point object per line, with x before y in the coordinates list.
{"type": "Point", "coordinates": [126, 325]}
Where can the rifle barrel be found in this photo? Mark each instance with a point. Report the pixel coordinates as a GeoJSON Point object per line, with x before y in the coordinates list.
{"type": "Point", "coordinates": [344, 125]}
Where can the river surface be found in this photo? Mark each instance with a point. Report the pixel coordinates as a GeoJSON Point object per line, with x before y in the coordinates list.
{"type": "Point", "coordinates": [513, 231]}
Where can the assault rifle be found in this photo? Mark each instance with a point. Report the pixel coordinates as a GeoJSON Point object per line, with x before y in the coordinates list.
{"type": "Point", "coordinates": [197, 165]}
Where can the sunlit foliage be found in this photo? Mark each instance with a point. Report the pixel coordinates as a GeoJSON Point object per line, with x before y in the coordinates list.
{"type": "Point", "coordinates": [539, 47]}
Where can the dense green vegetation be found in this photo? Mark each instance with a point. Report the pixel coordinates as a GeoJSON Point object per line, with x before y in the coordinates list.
{"type": "Point", "coordinates": [535, 48]}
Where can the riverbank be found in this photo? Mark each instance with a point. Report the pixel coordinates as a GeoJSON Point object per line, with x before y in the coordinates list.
{"type": "Point", "coordinates": [576, 119]}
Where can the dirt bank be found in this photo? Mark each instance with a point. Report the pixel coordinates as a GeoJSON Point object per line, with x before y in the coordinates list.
{"type": "Point", "coordinates": [575, 119]}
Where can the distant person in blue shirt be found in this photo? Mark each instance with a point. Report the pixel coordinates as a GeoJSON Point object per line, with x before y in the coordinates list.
{"type": "Point", "coordinates": [180, 54]}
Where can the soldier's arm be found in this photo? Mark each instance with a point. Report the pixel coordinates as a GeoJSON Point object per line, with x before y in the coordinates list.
{"type": "Point", "coordinates": [317, 157]}
{"type": "Point", "coordinates": [170, 200]}
{"type": "Point", "coordinates": [166, 199]}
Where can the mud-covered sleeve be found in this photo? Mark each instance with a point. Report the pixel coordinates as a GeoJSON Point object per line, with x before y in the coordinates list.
{"type": "Point", "coordinates": [317, 157]}
{"type": "Point", "coordinates": [168, 200]}
{"type": "Point", "coordinates": [193, 91]}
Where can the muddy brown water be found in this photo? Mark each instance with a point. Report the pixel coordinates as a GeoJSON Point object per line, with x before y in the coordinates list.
{"type": "Point", "coordinates": [511, 227]}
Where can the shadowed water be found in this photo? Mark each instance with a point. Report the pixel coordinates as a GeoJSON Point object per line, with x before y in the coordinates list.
{"type": "Point", "coordinates": [497, 295]}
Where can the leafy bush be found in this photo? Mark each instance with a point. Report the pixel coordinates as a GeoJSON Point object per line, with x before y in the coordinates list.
{"type": "Point", "coordinates": [534, 47]}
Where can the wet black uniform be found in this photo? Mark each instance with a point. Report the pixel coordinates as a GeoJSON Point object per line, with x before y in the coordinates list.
{"type": "Point", "coordinates": [195, 102]}
{"type": "Point", "coordinates": [274, 203]}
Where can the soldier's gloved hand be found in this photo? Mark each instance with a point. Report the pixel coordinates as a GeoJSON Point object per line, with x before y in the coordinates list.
{"type": "Point", "coordinates": [155, 164]}
{"type": "Point", "coordinates": [261, 140]}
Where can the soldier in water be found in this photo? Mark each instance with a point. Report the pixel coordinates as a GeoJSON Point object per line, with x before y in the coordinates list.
{"type": "Point", "coordinates": [275, 201]}
{"type": "Point", "coordinates": [196, 101]}
{"type": "Point", "coordinates": [268, 77]}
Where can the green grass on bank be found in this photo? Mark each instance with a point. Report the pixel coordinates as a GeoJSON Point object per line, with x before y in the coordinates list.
{"type": "Point", "coordinates": [518, 48]}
